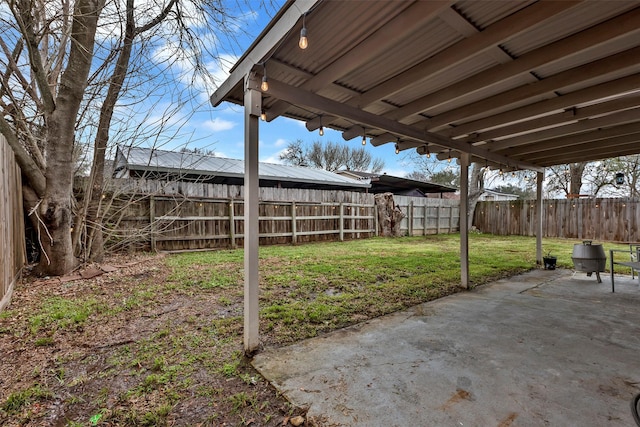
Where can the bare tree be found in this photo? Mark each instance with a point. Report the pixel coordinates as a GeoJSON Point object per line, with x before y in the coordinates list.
{"type": "Point", "coordinates": [331, 156]}
{"type": "Point", "coordinates": [69, 66]}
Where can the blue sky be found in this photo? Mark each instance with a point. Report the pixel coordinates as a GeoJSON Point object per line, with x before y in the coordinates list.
{"type": "Point", "coordinates": [221, 129]}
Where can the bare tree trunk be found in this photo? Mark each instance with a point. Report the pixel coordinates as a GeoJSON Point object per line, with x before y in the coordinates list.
{"type": "Point", "coordinates": [389, 215]}
{"type": "Point", "coordinates": [94, 215]}
{"type": "Point", "coordinates": [576, 170]}
{"type": "Point", "coordinates": [55, 208]}
{"type": "Point", "coordinates": [476, 188]}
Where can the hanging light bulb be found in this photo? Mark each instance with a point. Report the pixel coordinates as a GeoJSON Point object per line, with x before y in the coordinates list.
{"type": "Point", "coordinates": [303, 43]}
{"type": "Point", "coordinates": [364, 136]}
{"type": "Point", "coordinates": [501, 171]}
{"type": "Point", "coordinates": [321, 130]}
{"type": "Point", "coordinates": [428, 153]}
{"type": "Point", "coordinates": [265, 84]}
{"type": "Point", "coordinates": [449, 159]}
{"type": "Point", "coordinates": [263, 116]}
{"type": "Point", "coordinates": [397, 149]}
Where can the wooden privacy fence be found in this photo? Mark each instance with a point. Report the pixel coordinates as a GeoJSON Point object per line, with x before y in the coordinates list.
{"type": "Point", "coordinates": [12, 241]}
{"type": "Point", "coordinates": [188, 221]}
{"type": "Point", "coordinates": [611, 220]}
{"type": "Point", "coordinates": [201, 223]}
{"type": "Point", "coordinates": [428, 216]}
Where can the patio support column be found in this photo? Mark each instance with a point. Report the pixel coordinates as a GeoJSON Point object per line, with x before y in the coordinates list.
{"type": "Point", "coordinates": [540, 211]}
{"type": "Point", "coordinates": [252, 108]}
{"type": "Point", "coordinates": [464, 219]}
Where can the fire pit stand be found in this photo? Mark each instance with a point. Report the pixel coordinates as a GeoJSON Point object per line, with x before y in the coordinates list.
{"type": "Point", "coordinates": [589, 258]}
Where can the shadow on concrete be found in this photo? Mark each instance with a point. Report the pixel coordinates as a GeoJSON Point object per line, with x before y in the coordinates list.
{"type": "Point", "coordinates": [543, 348]}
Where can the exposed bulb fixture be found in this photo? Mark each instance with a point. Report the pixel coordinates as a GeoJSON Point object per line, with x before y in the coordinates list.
{"type": "Point", "coordinates": [397, 149]}
{"type": "Point", "coordinates": [449, 159]}
{"type": "Point", "coordinates": [428, 153]}
{"type": "Point", "coordinates": [364, 136]}
{"type": "Point", "coordinates": [501, 171]}
{"type": "Point", "coordinates": [321, 131]}
{"type": "Point", "coordinates": [265, 84]}
{"type": "Point", "coordinates": [303, 43]}
{"type": "Point", "coordinates": [263, 116]}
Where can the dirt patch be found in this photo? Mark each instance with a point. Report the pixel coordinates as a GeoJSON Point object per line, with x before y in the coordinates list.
{"type": "Point", "coordinates": [122, 345]}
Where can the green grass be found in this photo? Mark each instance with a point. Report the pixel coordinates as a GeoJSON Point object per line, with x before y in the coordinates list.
{"type": "Point", "coordinates": [305, 290]}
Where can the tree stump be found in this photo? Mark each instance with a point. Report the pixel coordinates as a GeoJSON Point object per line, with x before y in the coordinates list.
{"type": "Point", "coordinates": [389, 215]}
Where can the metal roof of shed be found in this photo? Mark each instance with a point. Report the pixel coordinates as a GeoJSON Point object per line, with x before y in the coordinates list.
{"type": "Point", "coordinates": [517, 84]}
{"type": "Point", "coordinates": [154, 160]}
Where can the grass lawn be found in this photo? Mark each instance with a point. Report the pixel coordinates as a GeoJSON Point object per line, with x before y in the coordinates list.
{"type": "Point", "coordinates": [159, 342]}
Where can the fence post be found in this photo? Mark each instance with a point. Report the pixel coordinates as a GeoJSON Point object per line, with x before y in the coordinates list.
{"type": "Point", "coordinates": [375, 219]}
{"type": "Point", "coordinates": [410, 218]}
{"type": "Point", "coordinates": [232, 225]}
{"type": "Point", "coordinates": [425, 220]}
{"type": "Point", "coordinates": [294, 224]}
{"type": "Point", "coordinates": [579, 206]}
{"type": "Point", "coordinates": [152, 221]}
{"type": "Point", "coordinates": [438, 219]}
{"type": "Point", "coordinates": [341, 225]}
{"type": "Point", "coordinates": [451, 219]}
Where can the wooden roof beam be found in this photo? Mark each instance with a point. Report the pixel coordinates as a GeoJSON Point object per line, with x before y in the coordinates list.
{"type": "Point", "coordinates": [549, 85]}
{"type": "Point", "coordinates": [567, 116]}
{"type": "Point", "coordinates": [595, 150]}
{"type": "Point", "coordinates": [492, 36]}
{"type": "Point", "coordinates": [589, 38]}
{"type": "Point", "coordinates": [383, 39]}
{"type": "Point", "coordinates": [573, 128]}
{"type": "Point", "coordinates": [571, 140]}
{"type": "Point", "coordinates": [593, 93]}
{"type": "Point", "coordinates": [297, 96]}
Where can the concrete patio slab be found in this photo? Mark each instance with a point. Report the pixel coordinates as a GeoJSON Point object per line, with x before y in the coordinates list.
{"type": "Point", "coordinates": [543, 348]}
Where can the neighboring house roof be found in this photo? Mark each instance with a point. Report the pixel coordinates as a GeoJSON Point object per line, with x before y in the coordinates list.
{"type": "Point", "coordinates": [496, 195]}
{"type": "Point", "coordinates": [161, 164]}
{"type": "Point", "coordinates": [397, 185]}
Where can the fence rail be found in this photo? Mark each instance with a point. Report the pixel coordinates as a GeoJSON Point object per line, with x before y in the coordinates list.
{"type": "Point", "coordinates": [12, 241]}
{"type": "Point", "coordinates": [611, 220]}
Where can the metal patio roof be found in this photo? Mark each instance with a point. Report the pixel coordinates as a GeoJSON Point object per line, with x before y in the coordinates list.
{"type": "Point", "coordinates": [210, 167]}
{"type": "Point", "coordinates": [517, 84]}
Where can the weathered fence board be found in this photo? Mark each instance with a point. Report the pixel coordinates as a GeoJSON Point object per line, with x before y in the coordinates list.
{"type": "Point", "coordinates": [12, 241]}
{"type": "Point", "coordinates": [611, 220]}
{"type": "Point", "coordinates": [191, 220]}
{"type": "Point", "coordinates": [428, 216]}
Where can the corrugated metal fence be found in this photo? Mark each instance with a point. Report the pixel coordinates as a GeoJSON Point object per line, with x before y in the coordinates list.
{"type": "Point", "coordinates": [611, 220]}
{"type": "Point", "coordinates": [11, 223]}
{"type": "Point", "coordinates": [190, 216]}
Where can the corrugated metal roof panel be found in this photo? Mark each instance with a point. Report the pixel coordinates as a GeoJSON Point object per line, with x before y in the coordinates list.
{"type": "Point", "coordinates": [484, 13]}
{"type": "Point", "coordinates": [170, 161]}
{"type": "Point", "coordinates": [569, 22]}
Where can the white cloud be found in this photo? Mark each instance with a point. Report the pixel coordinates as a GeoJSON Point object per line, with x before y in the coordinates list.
{"type": "Point", "coordinates": [280, 142]}
{"type": "Point", "coordinates": [274, 158]}
{"type": "Point", "coordinates": [218, 124]}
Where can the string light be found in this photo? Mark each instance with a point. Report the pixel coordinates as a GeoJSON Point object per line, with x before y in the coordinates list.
{"type": "Point", "coordinates": [265, 84]}
{"type": "Point", "coordinates": [321, 130]}
{"type": "Point", "coordinates": [263, 116]}
{"type": "Point", "coordinates": [428, 153]}
{"type": "Point", "coordinates": [364, 137]}
{"type": "Point", "coordinates": [303, 43]}
{"type": "Point", "coordinates": [397, 149]}
{"type": "Point", "coordinates": [449, 159]}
